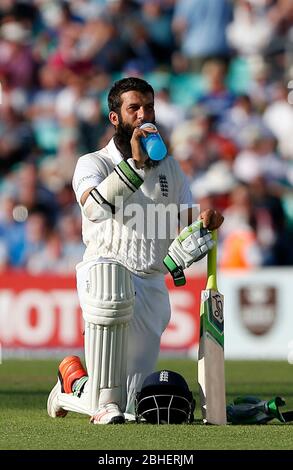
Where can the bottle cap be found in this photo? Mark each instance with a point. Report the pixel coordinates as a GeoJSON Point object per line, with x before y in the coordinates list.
{"type": "Point", "coordinates": [148, 124]}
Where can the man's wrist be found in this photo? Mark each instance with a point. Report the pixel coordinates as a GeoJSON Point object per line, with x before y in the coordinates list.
{"type": "Point", "coordinates": [175, 270]}
{"type": "Point", "coordinates": [139, 165]}
{"type": "Point", "coordinates": [139, 171]}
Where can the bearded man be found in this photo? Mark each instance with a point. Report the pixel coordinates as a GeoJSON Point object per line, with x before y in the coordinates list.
{"type": "Point", "coordinates": [120, 282]}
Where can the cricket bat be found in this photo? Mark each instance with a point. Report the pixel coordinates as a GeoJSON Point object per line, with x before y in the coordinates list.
{"type": "Point", "coordinates": [211, 369]}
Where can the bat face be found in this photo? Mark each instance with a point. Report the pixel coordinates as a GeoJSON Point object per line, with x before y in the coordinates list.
{"type": "Point", "coordinates": [211, 374]}
{"type": "Point", "coordinates": [212, 315]}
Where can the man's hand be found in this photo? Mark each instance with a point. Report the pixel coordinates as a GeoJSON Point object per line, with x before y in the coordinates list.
{"type": "Point", "coordinates": [138, 154]}
{"type": "Point", "coordinates": [191, 245]}
{"type": "Point", "coordinates": [211, 219]}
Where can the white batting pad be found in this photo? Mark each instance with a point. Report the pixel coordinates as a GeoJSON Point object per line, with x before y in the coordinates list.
{"type": "Point", "coordinates": [107, 309]}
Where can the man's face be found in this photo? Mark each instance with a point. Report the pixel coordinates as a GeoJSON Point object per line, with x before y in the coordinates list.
{"type": "Point", "coordinates": [136, 109]}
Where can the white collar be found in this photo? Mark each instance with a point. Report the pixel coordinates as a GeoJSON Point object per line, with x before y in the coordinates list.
{"type": "Point", "coordinates": [114, 152]}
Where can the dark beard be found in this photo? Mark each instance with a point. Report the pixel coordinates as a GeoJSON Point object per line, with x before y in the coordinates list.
{"type": "Point", "coordinates": [122, 137]}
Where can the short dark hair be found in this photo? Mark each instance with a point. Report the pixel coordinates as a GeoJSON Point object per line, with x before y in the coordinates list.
{"type": "Point", "coordinates": [124, 85]}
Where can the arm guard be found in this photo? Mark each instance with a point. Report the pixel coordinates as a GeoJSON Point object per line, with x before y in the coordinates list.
{"type": "Point", "coordinates": [109, 195]}
{"type": "Point", "coordinates": [121, 183]}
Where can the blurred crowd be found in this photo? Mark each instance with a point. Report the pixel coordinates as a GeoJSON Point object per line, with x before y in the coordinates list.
{"type": "Point", "coordinates": [222, 71]}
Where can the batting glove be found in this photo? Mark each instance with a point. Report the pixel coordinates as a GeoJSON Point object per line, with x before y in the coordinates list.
{"type": "Point", "coordinates": [191, 245]}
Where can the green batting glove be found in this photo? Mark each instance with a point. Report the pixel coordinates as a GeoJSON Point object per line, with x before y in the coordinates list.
{"type": "Point", "coordinates": [191, 245]}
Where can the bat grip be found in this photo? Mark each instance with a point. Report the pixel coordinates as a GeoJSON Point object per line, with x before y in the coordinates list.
{"type": "Point", "coordinates": [212, 264]}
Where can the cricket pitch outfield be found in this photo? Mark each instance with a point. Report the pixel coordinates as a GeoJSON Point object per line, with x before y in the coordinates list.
{"type": "Point", "coordinates": [24, 423]}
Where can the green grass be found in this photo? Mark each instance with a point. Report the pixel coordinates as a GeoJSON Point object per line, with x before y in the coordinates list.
{"type": "Point", "coordinates": [24, 424]}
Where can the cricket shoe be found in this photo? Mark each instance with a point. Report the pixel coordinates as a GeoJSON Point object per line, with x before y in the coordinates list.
{"type": "Point", "coordinates": [108, 414]}
{"type": "Point", "coordinates": [69, 370]}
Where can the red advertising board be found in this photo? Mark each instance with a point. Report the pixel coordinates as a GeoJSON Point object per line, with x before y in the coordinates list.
{"type": "Point", "coordinates": [42, 312]}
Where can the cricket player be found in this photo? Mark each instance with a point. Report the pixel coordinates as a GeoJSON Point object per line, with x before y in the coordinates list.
{"type": "Point", "coordinates": [120, 282]}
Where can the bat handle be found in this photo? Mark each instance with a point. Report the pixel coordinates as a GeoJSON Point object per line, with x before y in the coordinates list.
{"type": "Point", "coordinates": [212, 264]}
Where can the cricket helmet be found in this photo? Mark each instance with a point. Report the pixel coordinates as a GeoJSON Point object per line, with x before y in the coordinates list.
{"type": "Point", "coordinates": [165, 399]}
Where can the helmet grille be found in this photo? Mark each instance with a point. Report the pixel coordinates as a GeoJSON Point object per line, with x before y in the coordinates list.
{"type": "Point", "coordinates": [164, 409]}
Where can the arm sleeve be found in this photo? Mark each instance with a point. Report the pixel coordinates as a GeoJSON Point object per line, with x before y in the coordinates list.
{"type": "Point", "coordinates": [182, 183]}
{"type": "Point", "coordinates": [186, 200]}
{"type": "Point", "coordinates": [185, 195]}
{"type": "Point", "coordinates": [86, 175]}
{"type": "Point", "coordinates": [107, 189]}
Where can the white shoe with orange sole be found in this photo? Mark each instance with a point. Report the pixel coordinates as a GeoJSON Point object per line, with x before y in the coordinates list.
{"type": "Point", "coordinates": [69, 370]}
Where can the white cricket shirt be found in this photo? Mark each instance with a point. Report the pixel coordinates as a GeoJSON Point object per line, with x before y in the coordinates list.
{"type": "Point", "coordinates": [139, 235]}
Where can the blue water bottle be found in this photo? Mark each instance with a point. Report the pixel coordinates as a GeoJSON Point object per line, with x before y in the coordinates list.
{"type": "Point", "coordinates": [153, 144]}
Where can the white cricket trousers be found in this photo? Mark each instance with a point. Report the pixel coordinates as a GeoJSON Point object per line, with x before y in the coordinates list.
{"type": "Point", "coordinates": [151, 316]}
